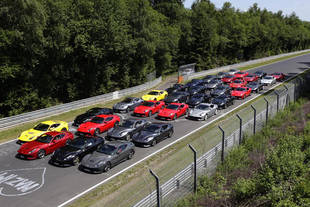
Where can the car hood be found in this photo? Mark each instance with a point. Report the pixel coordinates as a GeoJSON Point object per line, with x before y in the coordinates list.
{"type": "Point", "coordinates": [172, 99]}
{"type": "Point", "coordinates": [237, 93]}
{"type": "Point", "coordinates": [217, 92]}
{"type": "Point", "coordinates": [194, 101]}
{"type": "Point", "coordinates": [218, 101]}
{"type": "Point", "coordinates": [144, 135]}
{"type": "Point", "coordinates": [65, 151]}
{"type": "Point", "coordinates": [83, 117]}
{"type": "Point", "coordinates": [121, 105]}
{"type": "Point", "coordinates": [30, 135]}
{"type": "Point", "coordinates": [211, 85]}
{"type": "Point", "coordinates": [266, 81]}
{"type": "Point", "coordinates": [95, 158]}
{"type": "Point", "coordinates": [142, 109]}
{"type": "Point", "coordinates": [148, 97]}
{"type": "Point", "coordinates": [27, 147]}
{"type": "Point", "coordinates": [166, 112]}
{"type": "Point", "coordinates": [87, 125]}
{"type": "Point", "coordinates": [198, 112]}
{"type": "Point", "coordinates": [119, 130]}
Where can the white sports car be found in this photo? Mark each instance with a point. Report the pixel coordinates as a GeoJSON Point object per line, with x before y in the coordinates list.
{"type": "Point", "coordinates": [268, 80]}
{"type": "Point", "coordinates": [203, 111]}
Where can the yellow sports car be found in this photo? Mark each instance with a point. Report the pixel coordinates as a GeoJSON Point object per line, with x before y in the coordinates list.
{"type": "Point", "coordinates": [40, 129]}
{"type": "Point", "coordinates": [155, 95]}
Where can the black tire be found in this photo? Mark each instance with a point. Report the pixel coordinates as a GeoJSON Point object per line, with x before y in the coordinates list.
{"type": "Point", "coordinates": [127, 137]}
{"type": "Point", "coordinates": [149, 114]}
{"type": "Point", "coordinates": [215, 112]}
{"type": "Point", "coordinates": [107, 167]}
{"type": "Point", "coordinates": [170, 134]}
{"type": "Point", "coordinates": [205, 117]}
{"type": "Point", "coordinates": [96, 132]}
{"type": "Point", "coordinates": [155, 99]}
{"type": "Point", "coordinates": [154, 143]}
{"type": "Point", "coordinates": [175, 117]}
{"type": "Point", "coordinates": [130, 155]}
{"type": "Point", "coordinates": [41, 154]}
{"type": "Point", "coordinates": [76, 161]}
{"type": "Point", "coordinates": [127, 110]}
{"type": "Point", "coordinates": [64, 129]}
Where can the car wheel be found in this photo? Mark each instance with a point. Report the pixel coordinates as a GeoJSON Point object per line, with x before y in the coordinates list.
{"type": "Point", "coordinates": [205, 117]}
{"type": "Point", "coordinates": [155, 99]}
{"type": "Point", "coordinates": [127, 138]}
{"type": "Point", "coordinates": [76, 161]}
{"type": "Point", "coordinates": [130, 155]}
{"type": "Point", "coordinates": [149, 114]}
{"type": "Point", "coordinates": [170, 134]}
{"type": "Point", "coordinates": [107, 167]}
{"type": "Point", "coordinates": [187, 112]}
{"type": "Point", "coordinates": [215, 111]}
{"type": "Point", "coordinates": [175, 117]}
{"type": "Point", "coordinates": [127, 110]}
{"type": "Point", "coordinates": [64, 129]}
{"type": "Point", "coordinates": [97, 132]}
{"type": "Point", "coordinates": [41, 154]}
{"type": "Point", "coordinates": [154, 142]}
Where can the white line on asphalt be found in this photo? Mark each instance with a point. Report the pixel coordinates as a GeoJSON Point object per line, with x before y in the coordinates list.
{"type": "Point", "coordinates": [172, 143]}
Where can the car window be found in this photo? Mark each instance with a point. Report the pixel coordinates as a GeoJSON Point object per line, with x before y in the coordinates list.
{"type": "Point", "coordinates": [121, 148]}
{"type": "Point", "coordinates": [109, 119]}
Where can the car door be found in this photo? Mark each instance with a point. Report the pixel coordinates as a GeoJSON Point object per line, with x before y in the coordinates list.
{"type": "Point", "coordinates": [88, 147]}
{"type": "Point", "coordinates": [109, 123]}
{"type": "Point", "coordinates": [165, 131]}
{"type": "Point", "coordinates": [182, 110]}
{"type": "Point", "coordinates": [55, 144]}
{"type": "Point", "coordinates": [120, 154]}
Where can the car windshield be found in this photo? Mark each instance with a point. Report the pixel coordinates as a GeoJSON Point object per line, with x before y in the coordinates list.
{"type": "Point", "coordinates": [240, 89]}
{"type": "Point", "coordinates": [97, 120]}
{"type": "Point", "coordinates": [149, 104]}
{"type": "Point", "coordinates": [152, 128]}
{"type": "Point", "coordinates": [106, 149]}
{"type": "Point", "coordinates": [213, 81]}
{"type": "Point", "coordinates": [229, 76]}
{"type": "Point", "coordinates": [42, 127]}
{"type": "Point", "coordinates": [93, 111]}
{"type": "Point", "coordinates": [45, 138]}
{"type": "Point", "coordinates": [77, 143]}
{"type": "Point", "coordinates": [268, 77]}
{"type": "Point", "coordinates": [237, 81]}
{"type": "Point", "coordinates": [173, 107]}
{"type": "Point", "coordinates": [128, 124]}
{"type": "Point", "coordinates": [277, 74]}
{"type": "Point", "coordinates": [203, 107]}
{"type": "Point", "coordinates": [128, 100]}
{"type": "Point", "coordinates": [153, 93]}
{"type": "Point", "coordinates": [221, 88]}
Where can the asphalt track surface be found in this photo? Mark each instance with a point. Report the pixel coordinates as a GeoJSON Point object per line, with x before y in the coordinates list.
{"type": "Point", "coordinates": [36, 183]}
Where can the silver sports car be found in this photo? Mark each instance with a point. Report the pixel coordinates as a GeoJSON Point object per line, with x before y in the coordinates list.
{"type": "Point", "coordinates": [203, 111]}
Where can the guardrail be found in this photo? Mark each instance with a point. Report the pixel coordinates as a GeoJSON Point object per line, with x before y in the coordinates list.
{"type": "Point", "coordinates": [238, 65]}
{"type": "Point", "coordinates": [9, 122]}
{"type": "Point", "coordinates": [182, 183]}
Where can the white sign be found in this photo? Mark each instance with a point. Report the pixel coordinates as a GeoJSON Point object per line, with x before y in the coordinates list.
{"type": "Point", "coordinates": [21, 181]}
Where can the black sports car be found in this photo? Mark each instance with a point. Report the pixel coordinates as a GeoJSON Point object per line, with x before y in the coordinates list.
{"type": "Point", "coordinates": [153, 134]}
{"type": "Point", "coordinates": [193, 82]}
{"type": "Point", "coordinates": [197, 99]}
{"type": "Point", "coordinates": [256, 86]}
{"type": "Point", "coordinates": [223, 101]}
{"type": "Point", "coordinates": [197, 89]}
{"type": "Point", "coordinates": [126, 129]}
{"type": "Point", "coordinates": [208, 78]}
{"type": "Point", "coordinates": [91, 113]}
{"type": "Point", "coordinates": [172, 90]}
{"type": "Point", "coordinates": [222, 74]}
{"type": "Point", "coordinates": [177, 97]}
{"type": "Point", "coordinates": [73, 152]}
{"type": "Point", "coordinates": [214, 83]}
{"type": "Point", "coordinates": [221, 89]}
{"type": "Point", "coordinates": [107, 156]}
{"type": "Point", "coordinates": [178, 86]}
{"type": "Point", "coordinates": [260, 73]}
{"type": "Point", "coordinates": [127, 105]}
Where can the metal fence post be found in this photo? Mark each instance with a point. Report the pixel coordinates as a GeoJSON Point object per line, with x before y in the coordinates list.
{"type": "Point", "coordinates": [195, 167]}
{"type": "Point", "coordinates": [267, 110]}
{"type": "Point", "coordinates": [278, 100]}
{"type": "Point", "coordinates": [295, 86]}
{"type": "Point", "coordinates": [254, 125]}
{"type": "Point", "coordinates": [223, 143]}
{"type": "Point", "coordinates": [287, 95]}
{"type": "Point", "coordinates": [157, 187]}
{"type": "Point", "coordinates": [240, 128]}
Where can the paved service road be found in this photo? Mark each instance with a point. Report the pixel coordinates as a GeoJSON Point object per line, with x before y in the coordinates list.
{"type": "Point", "coordinates": [36, 183]}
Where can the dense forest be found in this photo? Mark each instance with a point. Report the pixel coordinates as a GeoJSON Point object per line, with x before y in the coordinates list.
{"type": "Point", "coordinates": [56, 51]}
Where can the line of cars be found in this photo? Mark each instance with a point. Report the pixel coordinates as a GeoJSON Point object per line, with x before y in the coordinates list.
{"type": "Point", "coordinates": [198, 99]}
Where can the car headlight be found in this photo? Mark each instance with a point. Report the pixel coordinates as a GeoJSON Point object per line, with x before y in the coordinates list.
{"type": "Point", "coordinates": [171, 114]}
{"type": "Point", "coordinates": [123, 134]}
{"type": "Point", "coordinates": [146, 111]}
{"type": "Point", "coordinates": [69, 157]}
{"type": "Point", "coordinates": [91, 129]}
{"type": "Point", "coordinates": [32, 151]}
{"type": "Point", "coordinates": [201, 114]}
{"type": "Point", "coordinates": [149, 139]}
{"type": "Point", "coordinates": [100, 163]}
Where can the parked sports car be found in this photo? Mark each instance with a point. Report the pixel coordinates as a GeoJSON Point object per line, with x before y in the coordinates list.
{"type": "Point", "coordinates": [214, 83]}
{"type": "Point", "coordinates": [98, 124]}
{"type": "Point", "coordinates": [45, 144]}
{"type": "Point", "coordinates": [223, 101]}
{"type": "Point", "coordinates": [88, 115]}
{"type": "Point", "coordinates": [222, 74]}
{"type": "Point", "coordinates": [148, 108]}
{"type": "Point", "coordinates": [196, 89]}
{"type": "Point", "coordinates": [178, 86]}
{"type": "Point", "coordinates": [241, 92]}
{"type": "Point", "coordinates": [72, 153]}
{"type": "Point", "coordinates": [193, 82]}
{"type": "Point", "coordinates": [228, 78]}
{"type": "Point", "coordinates": [251, 78]}
{"type": "Point", "coordinates": [278, 76]}
{"type": "Point", "coordinates": [177, 97]}
{"type": "Point", "coordinates": [171, 90]}
{"type": "Point", "coordinates": [208, 78]}
{"type": "Point", "coordinates": [221, 89]}
{"type": "Point", "coordinates": [238, 83]}
{"type": "Point", "coordinates": [241, 74]}
{"type": "Point", "coordinates": [127, 105]}
{"type": "Point", "coordinates": [260, 73]}
{"type": "Point", "coordinates": [197, 99]}
{"type": "Point", "coordinates": [107, 156]}
{"type": "Point", "coordinates": [126, 129]}
{"type": "Point", "coordinates": [173, 111]}
{"type": "Point", "coordinates": [155, 95]}
{"type": "Point", "coordinates": [233, 71]}
{"type": "Point", "coordinates": [255, 86]}
{"type": "Point", "coordinates": [41, 128]}
{"type": "Point", "coordinates": [153, 134]}
{"type": "Point", "coordinates": [203, 111]}
{"type": "Point", "coordinates": [268, 80]}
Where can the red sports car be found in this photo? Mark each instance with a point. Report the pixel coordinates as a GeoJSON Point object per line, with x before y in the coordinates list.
{"type": "Point", "coordinates": [173, 111]}
{"type": "Point", "coordinates": [241, 74]}
{"type": "Point", "coordinates": [251, 78]}
{"type": "Point", "coordinates": [229, 79]}
{"type": "Point", "coordinates": [98, 124]}
{"type": "Point", "coordinates": [241, 92]}
{"type": "Point", "coordinates": [148, 108]}
{"type": "Point", "coordinates": [238, 83]}
{"type": "Point", "coordinates": [45, 144]}
{"type": "Point", "coordinates": [278, 76]}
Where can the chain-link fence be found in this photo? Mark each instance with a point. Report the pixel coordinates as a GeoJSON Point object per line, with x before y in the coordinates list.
{"type": "Point", "coordinates": [176, 174]}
